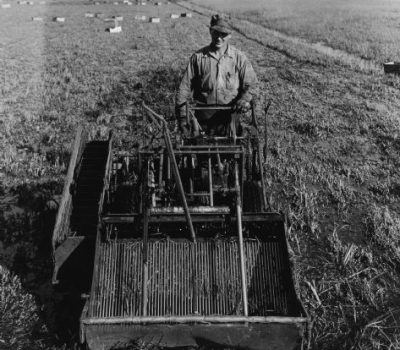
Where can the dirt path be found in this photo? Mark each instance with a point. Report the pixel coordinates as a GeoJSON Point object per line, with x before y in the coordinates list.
{"type": "Point", "coordinates": [274, 37]}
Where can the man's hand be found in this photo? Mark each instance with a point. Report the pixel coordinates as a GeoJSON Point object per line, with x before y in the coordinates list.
{"type": "Point", "coordinates": [241, 106]}
{"type": "Point", "coordinates": [183, 128]}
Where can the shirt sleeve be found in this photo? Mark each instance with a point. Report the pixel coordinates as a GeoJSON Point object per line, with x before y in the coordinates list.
{"type": "Point", "coordinates": [185, 90]}
{"type": "Point", "coordinates": [248, 79]}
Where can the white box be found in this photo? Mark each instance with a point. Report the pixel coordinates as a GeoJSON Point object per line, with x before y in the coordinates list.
{"type": "Point", "coordinates": [89, 15]}
{"type": "Point", "coordinates": [140, 17]}
{"type": "Point", "coordinates": [59, 19]}
{"type": "Point", "coordinates": [155, 19]}
{"type": "Point", "coordinates": [115, 29]}
{"type": "Point", "coordinates": [37, 19]}
{"type": "Point", "coordinates": [174, 15]}
{"type": "Point", "coordinates": [5, 6]}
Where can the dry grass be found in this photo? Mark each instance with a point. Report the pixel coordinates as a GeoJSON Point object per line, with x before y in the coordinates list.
{"type": "Point", "coordinates": [333, 142]}
{"type": "Point", "coordinates": [368, 29]}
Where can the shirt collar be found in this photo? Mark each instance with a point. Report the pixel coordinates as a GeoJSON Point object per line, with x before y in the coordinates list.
{"type": "Point", "coordinates": [228, 52]}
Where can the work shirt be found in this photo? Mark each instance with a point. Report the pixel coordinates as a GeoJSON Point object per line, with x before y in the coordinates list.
{"type": "Point", "coordinates": [214, 81]}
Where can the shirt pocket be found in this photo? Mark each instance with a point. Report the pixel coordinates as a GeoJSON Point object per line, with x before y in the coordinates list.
{"type": "Point", "coordinates": [231, 78]}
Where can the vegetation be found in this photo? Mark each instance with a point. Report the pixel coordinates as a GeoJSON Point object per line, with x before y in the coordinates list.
{"type": "Point", "coordinates": [332, 140]}
{"type": "Point", "coordinates": [368, 29]}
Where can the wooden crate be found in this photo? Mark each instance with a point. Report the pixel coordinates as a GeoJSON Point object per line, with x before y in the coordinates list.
{"type": "Point", "coordinates": [391, 67]}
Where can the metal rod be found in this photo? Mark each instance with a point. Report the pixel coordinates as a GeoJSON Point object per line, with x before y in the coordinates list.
{"type": "Point", "coordinates": [194, 319]}
{"type": "Point", "coordinates": [160, 170]}
{"type": "Point", "coordinates": [266, 131]}
{"type": "Point", "coordinates": [216, 108]}
{"type": "Point", "coordinates": [179, 182]}
{"type": "Point", "coordinates": [210, 181]}
{"type": "Point", "coordinates": [145, 244]}
{"type": "Point", "coordinates": [175, 168]}
{"type": "Point", "coordinates": [264, 193]}
{"type": "Point", "coordinates": [241, 246]}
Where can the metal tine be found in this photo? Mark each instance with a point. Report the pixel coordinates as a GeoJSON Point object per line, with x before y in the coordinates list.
{"type": "Point", "coordinates": [117, 276]}
{"type": "Point", "coordinates": [257, 279]}
{"type": "Point", "coordinates": [154, 277]}
{"type": "Point", "coordinates": [238, 275]}
{"type": "Point", "coordinates": [248, 245]}
{"type": "Point", "coordinates": [210, 278]}
{"type": "Point", "coordinates": [267, 259]}
{"type": "Point", "coordinates": [282, 293]}
{"type": "Point", "coordinates": [276, 275]}
{"type": "Point", "coordinates": [111, 278]}
{"type": "Point", "coordinates": [218, 268]}
{"type": "Point", "coordinates": [199, 278]}
{"type": "Point", "coordinates": [149, 280]}
{"type": "Point", "coordinates": [139, 270]}
{"type": "Point", "coordinates": [166, 278]}
{"type": "Point", "coordinates": [265, 283]}
{"type": "Point", "coordinates": [159, 290]}
{"type": "Point", "coordinates": [103, 286]}
{"type": "Point", "coordinates": [215, 278]}
{"type": "Point", "coordinates": [170, 277]}
{"type": "Point", "coordinates": [166, 274]}
{"type": "Point", "coordinates": [173, 280]}
{"type": "Point", "coordinates": [125, 290]}
{"type": "Point", "coordinates": [177, 280]}
{"type": "Point", "coordinates": [201, 275]}
{"type": "Point", "coordinates": [94, 311]}
{"type": "Point", "coordinates": [114, 288]}
{"type": "Point", "coordinates": [128, 289]}
{"type": "Point", "coordinates": [179, 269]}
{"type": "Point", "coordinates": [182, 268]}
{"type": "Point", "coordinates": [275, 259]}
{"type": "Point", "coordinates": [108, 280]}
{"type": "Point", "coordinates": [275, 272]}
{"type": "Point", "coordinates": [207, 276]}
{"type": "Point", "coordinates": [121, 271]}
{"type": "Point", "coordinates": [225, 278]}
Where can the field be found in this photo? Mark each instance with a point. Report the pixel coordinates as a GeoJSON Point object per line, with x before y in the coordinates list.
{"type": "Point", "coordinates": [333, 141]}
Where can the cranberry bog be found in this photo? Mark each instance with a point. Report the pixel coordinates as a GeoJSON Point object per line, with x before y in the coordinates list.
{"type": "Point", "coordinates": [331, 133]}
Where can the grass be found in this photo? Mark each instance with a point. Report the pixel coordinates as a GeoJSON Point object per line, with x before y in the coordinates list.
{"type": "Point", "coordinates": [333, 141]}
{"type": "Point", "coordinates": [368, 29]}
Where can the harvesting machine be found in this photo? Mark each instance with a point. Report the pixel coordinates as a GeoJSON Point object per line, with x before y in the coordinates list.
{"type": "Point", "coordinates": [176, 235]}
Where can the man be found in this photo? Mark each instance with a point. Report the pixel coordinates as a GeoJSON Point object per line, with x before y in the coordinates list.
{"type": "Point", "coordinates": [217, 74]}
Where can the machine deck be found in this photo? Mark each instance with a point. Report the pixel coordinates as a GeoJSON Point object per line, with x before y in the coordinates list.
{"type": "Point", "coordinates": [186, 278]}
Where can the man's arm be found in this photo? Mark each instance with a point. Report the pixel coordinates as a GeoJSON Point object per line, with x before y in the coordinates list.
{"type": "Point", "coordinates": [248, 84]}
{"type": "Point", "coordinates": [185, 92]}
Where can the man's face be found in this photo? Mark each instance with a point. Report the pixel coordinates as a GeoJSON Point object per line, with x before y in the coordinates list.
{"type": "Point", "coordinates": [219, 40]}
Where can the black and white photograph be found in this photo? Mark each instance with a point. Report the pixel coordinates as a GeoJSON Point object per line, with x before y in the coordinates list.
{"type": "Point", "coordinates": [200, 175]}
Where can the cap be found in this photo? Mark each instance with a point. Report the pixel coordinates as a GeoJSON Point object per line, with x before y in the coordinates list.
{"type": "Point", "coordinates": [219, 24]}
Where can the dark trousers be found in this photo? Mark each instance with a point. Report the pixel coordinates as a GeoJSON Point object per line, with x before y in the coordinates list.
{"type": "Point", "coordinates": [219, 123]}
